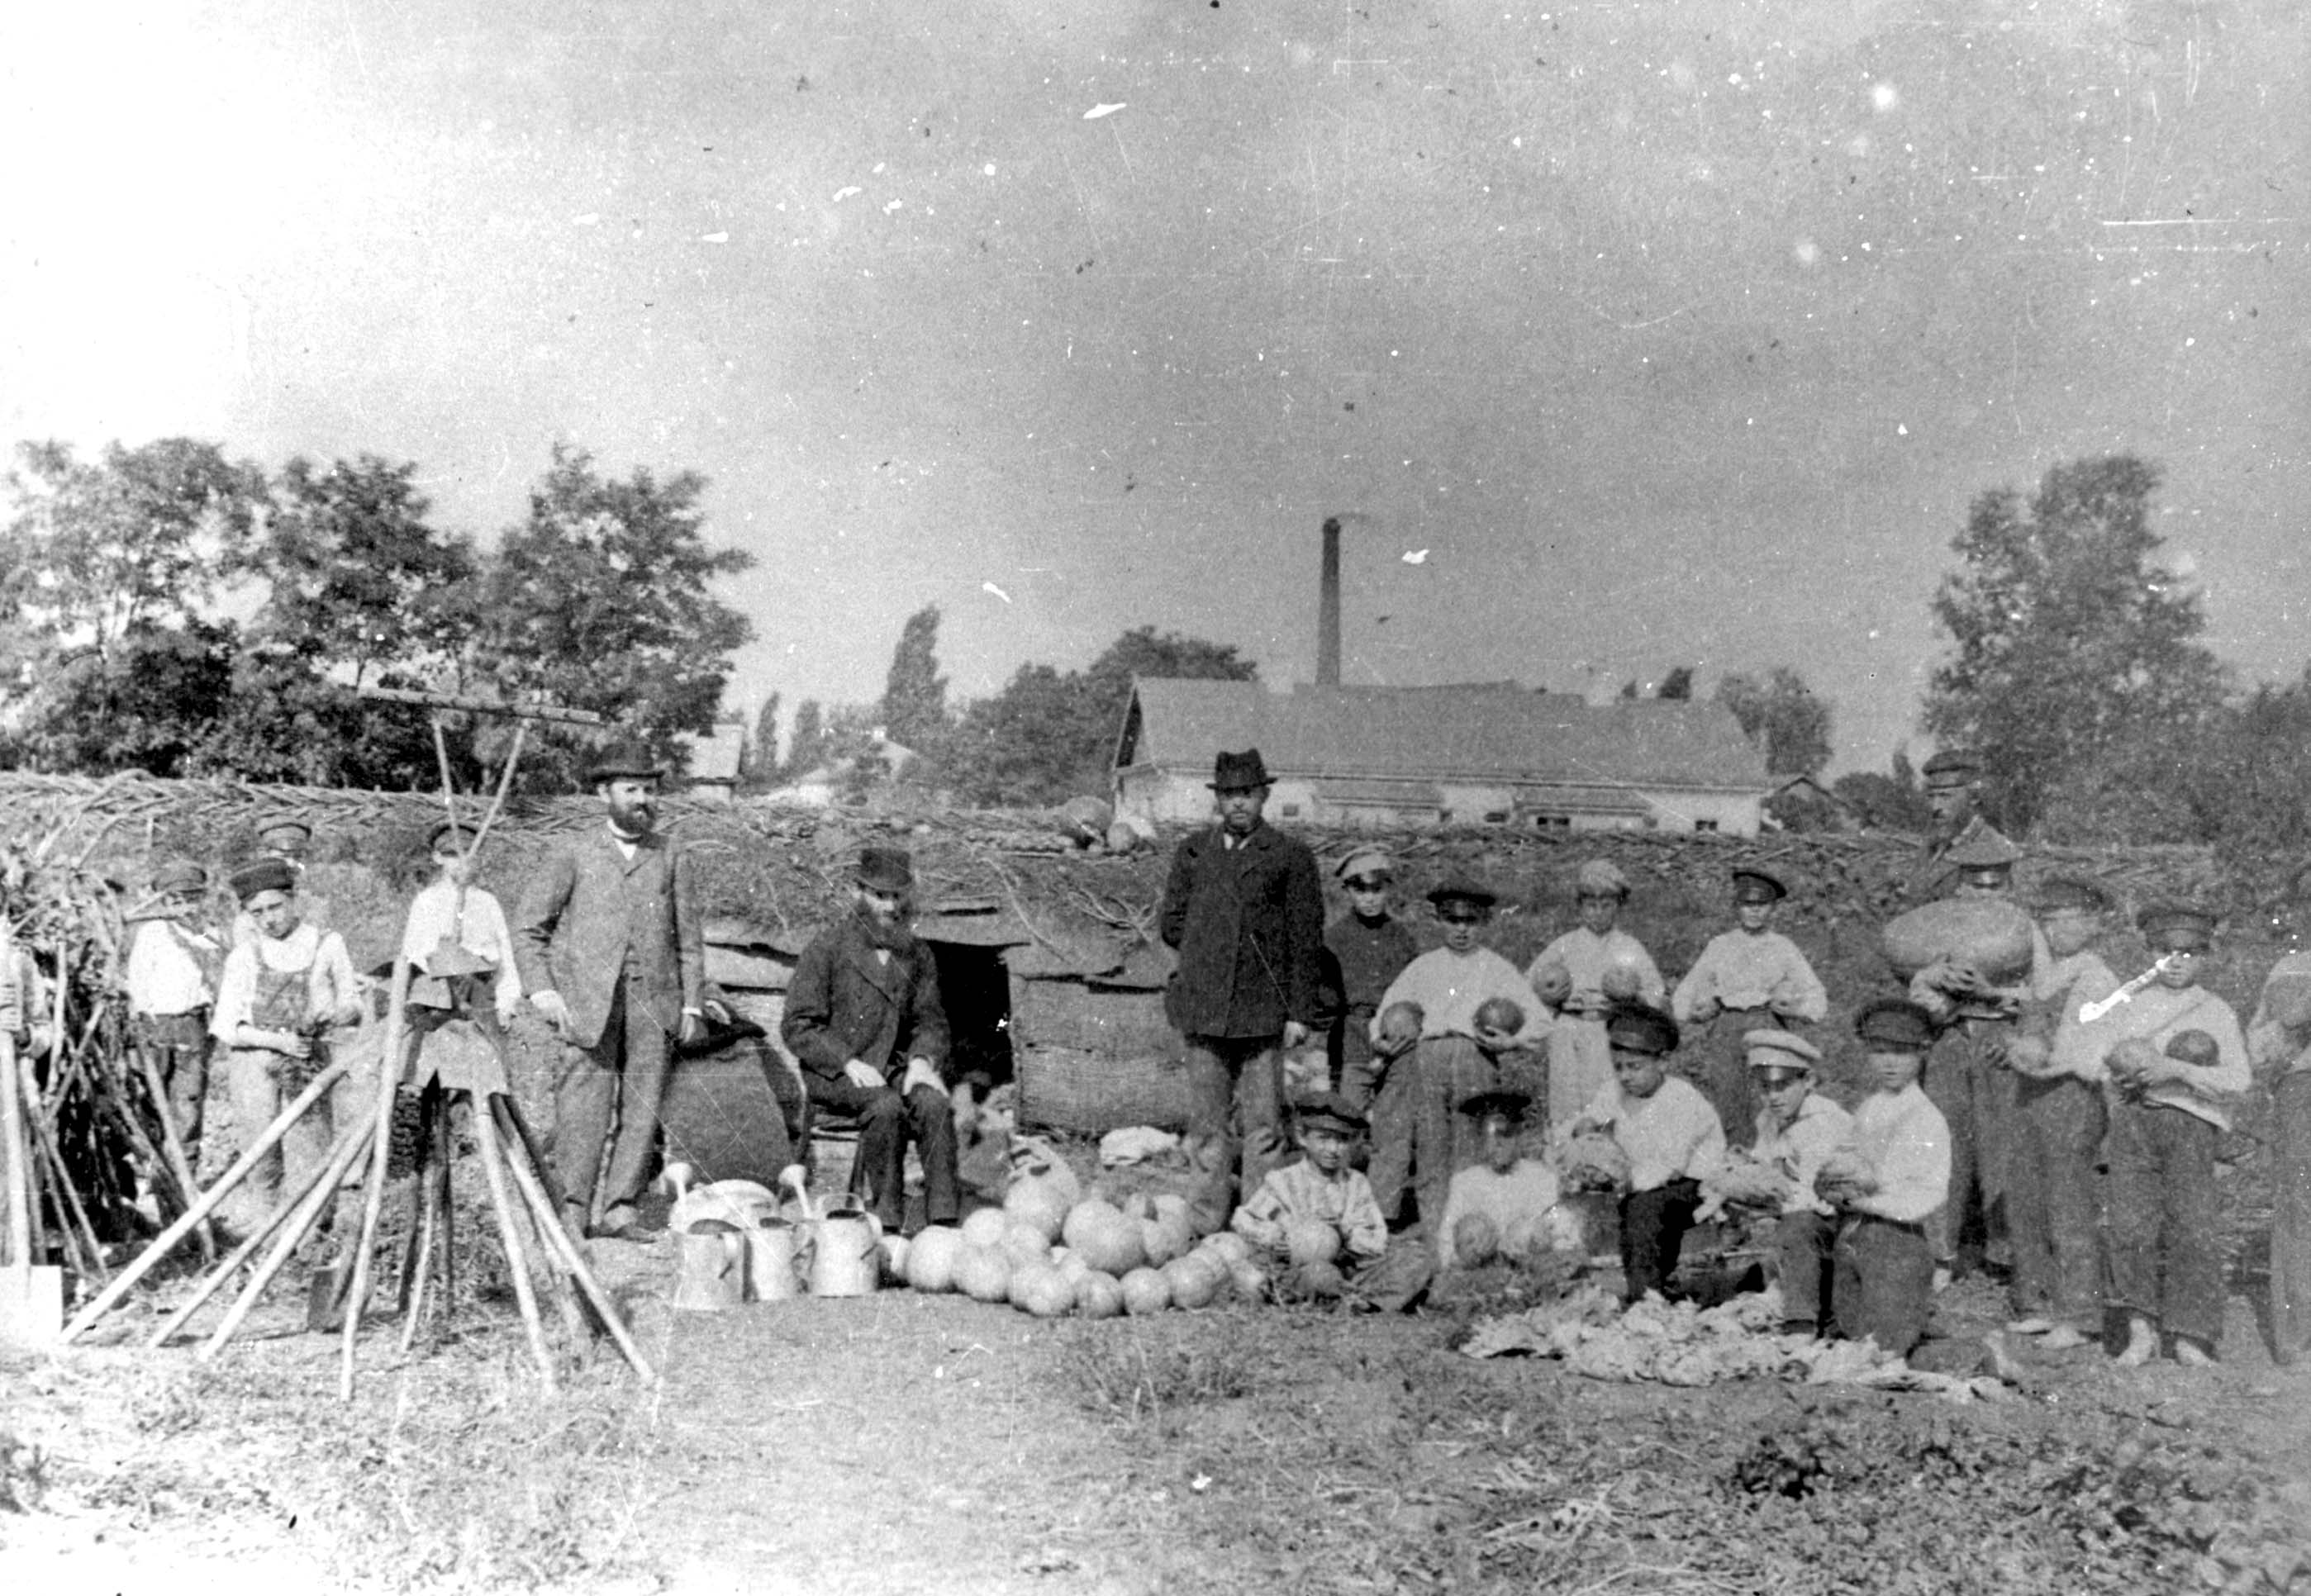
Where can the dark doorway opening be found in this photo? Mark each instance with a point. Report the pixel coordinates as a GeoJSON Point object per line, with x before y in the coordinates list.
{"type": "Point", "coordinates": [975, 990]}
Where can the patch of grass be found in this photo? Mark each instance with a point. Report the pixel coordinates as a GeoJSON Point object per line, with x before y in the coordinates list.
{"type": "Point", "coordinates": [1133, 1372]}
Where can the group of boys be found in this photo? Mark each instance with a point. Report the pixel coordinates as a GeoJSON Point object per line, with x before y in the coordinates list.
{"type": "Point", "coordinates": [2068, 1131]}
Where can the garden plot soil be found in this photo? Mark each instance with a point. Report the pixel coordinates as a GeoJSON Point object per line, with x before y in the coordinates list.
{"type": "Point", "coordinates": [901, 1444]}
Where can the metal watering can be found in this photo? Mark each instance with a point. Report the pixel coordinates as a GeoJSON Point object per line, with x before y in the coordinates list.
{"type": "Point", "coordinates": [778, 1260]}
{"type": "Point", "coordinates": [846, 1253]}
{"type": "Point", "coordinates": [712, 1275]}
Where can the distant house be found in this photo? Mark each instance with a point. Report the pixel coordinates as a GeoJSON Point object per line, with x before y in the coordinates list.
{"type": "Point", "coordinates": [712, 773]}
{"type": "Point", "coordinates": [1494, 754]}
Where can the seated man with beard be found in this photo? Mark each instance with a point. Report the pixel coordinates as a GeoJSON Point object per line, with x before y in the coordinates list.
{"type": "Point", "coordinates": [863, 1017]}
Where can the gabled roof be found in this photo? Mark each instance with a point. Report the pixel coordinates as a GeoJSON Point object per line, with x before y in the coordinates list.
{"type": "Point", "coordinates": [1493, 732]}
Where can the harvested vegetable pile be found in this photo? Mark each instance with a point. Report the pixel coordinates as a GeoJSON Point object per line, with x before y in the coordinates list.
{"type": "Point", "coordinates": [1679, 1344]}
{"type": "Point", "coordinates": [1594, 1163]}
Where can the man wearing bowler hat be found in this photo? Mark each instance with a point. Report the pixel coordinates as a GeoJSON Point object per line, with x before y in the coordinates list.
{"type": "Point", "coordinates": [1244, 909]}
{"type": "Point", "coordinates": [608, 946]}
{"type": "Point", "coordinates": [864, 1019]}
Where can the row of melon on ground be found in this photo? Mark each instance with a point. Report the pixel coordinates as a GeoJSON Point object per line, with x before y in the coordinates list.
{"type": "Point", "coordinates": [1050, 1251]}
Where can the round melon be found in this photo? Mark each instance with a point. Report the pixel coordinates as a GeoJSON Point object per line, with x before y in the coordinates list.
{"type": "Point", "coordinates": [1072, 1263]}
{"type": "Point", "coordinates": [1476, 1240]}
{"type": "Point", "coordinates": [1231, 1248]}
{"type": "Point", "coordinates": [1144, 1291]}
{"type": "Point", "coordinates": [1620, 984]}
{"type": "Point", "coordinates": [1099, 1233]}
{"type": "Point", "coordinates": [1026, 1281]}
{"type": "Point", "coordinates": [983, 1274]}
{"type": "Point", "coordinates": [1319, 1280]}
{"type": "Point", "coordinates": [985, 1227]}
{"type": "Point", "coordinates": [1400, 1024]}
{"type": "Point", "coordinates": [1500, 1014]}
{"type": "Point", "coordinates": [1047, 1294]}
{"type": "Point", "coordinates": [1172, 1209]}
{"type": "Point", "coordinates": [1523, 1239]}
{"type": "Point", "coordinates": [1026, 1242]}
{"type": "Point", "coordinates": [932, 1258]}
{"type": "Point", "coordinates": [1160, 1241]}
{"type": "Point", "coordinates": [1553, 984]}
{"type": "Point", "coordinates": [895, 1257]}
{"type": "Point", "coordinates": [1991, 934]}
{"type": "Point", "coordinates": [1099, 1296]}
{"type": "Point", "coordinates": [1248, 1280]}
{"type": "Point", "coordinates": [1311, 1241]}
{"type": "Point", "coordinates": [1036, 1203]}
{"type": "Point", "coordinates": [1193, 1281]}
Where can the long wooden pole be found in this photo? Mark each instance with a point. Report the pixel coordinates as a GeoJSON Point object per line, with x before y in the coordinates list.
{"type": "Point", "coordinates": [388, 1076]}
{"type": "Point", "coordinates": [558, 1242]}
{"type": "Point", "coordinates": [307, 1214]}
{"type": "Point", "coordinates": [331, 1171]}
{"type": "Point", "coordinates": [66, 1197]}
{"type": "Point", "coordinates": [166, 1242]}
{"type": "Point", "coordinates": [521, 1143]}
{"type": "Point", "coordinates": [172, 1143]}
{"type": "Point", "coordinates": [16, 1148]}
{"type": "Point", "coordinates": [493, 1167]}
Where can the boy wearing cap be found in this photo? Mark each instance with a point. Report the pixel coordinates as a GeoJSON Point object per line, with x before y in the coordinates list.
{"type": "Point", "coordinates": [1322, 1188]}
{"type": "Point", "coordinates": [278, 1000]}
{"type": "Point", "coordinates": [173, 965]}
{"type": "Point", "coordinates": [1745, 978]}
{"type": "Point", "coordinates": [1501, 1203]}
{"type": "Point", "coordinates": [608, 946]}
{"type": "Point", "coordinates": [2162, 1232]}
{"type": "Point", "coordinates": [1796, 1130]}
{"type": "Point", "coordinates": [2054, 1197]}
{"type": "Point", "coordinates": [1364, 950]}
{"type": "Point", "coordinates": [459, 947]}
{"type": "Point", "coordinates": [863, 1018]}
{"type": "Point", "coordinates": [1668, 1133]}
{"type": "Point", "coordinates": [1244, 907]}
{"type": "Point", "coordinates": [1882, 1279]}
{"type": "Point", "coordinates": [1455, 1055]}
{"type": "Point", "coordinates": [1582, 975]}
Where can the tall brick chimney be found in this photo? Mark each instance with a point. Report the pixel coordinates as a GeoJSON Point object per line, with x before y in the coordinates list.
{"type": "Point", "coordinates": [1327, 608]}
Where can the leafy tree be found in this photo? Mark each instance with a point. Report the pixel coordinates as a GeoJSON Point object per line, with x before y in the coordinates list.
{"type": "Point", "coordinates": [1780, 707]}
{"type": "Point", "coordinates": [759, 771]}
{"type": "Point", "coordinates": [94, 552]}
{"type": "Point", "coordinates": [602, 600]}
{"type": "Point", "coordinates": [358, 579]}
{"type": "Point", "coordinates": [2068, 638]}
{"type": "Point", "coordinates": [914, 695]}
{"type": "Point", "coordinates": [807, 749]}
{"type": "Point", "coordinates": [147, 704]}
{"type": "Point", "coordinates": [1047, 736]}
{"type": "Point", "coordinates": [1891, 800]}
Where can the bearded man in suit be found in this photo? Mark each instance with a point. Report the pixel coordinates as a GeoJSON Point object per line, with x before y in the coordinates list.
{"type": "Point", "coordinates": [863, 1017]}
{"type": "Point", "coordinates": [607, 944]}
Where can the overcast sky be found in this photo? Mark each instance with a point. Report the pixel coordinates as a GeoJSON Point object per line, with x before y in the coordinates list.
{"type": "Point", "coordinates": [1671, 333]}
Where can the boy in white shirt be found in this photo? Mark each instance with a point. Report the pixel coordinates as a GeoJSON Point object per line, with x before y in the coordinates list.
{"type": "Point", "coordinates": [1797, 1130]}
{"type": "Point", "coordinates": [460, 953]}
{"type": "Point", "coordinates": [1669, 1135]}
{"type": "Point", "coordinates": [172, 966]}
{"type": "Point", "coordinates": [1502, 1204]}
{"type": "Point", "coordinates": [1456, 1055]}
{"type": "Point", "coordinates": [281, 996]}
{"type": "Point", "coordinates": [1746, 978]}
{"type": "Point", "coordinates": [1882, 1283]}
{"type": "Point", "coordinates": [1583, 975]}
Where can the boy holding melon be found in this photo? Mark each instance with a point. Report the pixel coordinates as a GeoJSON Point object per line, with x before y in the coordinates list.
{"type": "Point", "coordinates": [1317, 1218]}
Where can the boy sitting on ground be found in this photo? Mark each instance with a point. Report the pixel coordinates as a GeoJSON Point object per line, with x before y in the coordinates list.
{"type": "Point", "coordinates": [1797, 1132]}
{"type": "Point", "coordinates": [1502, 1205]}
{"type": "Point", "coordinates": [1671, 1136]}
{"type": "Point", "coordinates": [1318, 1218]}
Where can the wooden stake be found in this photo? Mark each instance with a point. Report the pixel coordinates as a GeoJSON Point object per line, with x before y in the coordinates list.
{"type": "Point", "coordinates": [307, 1214]}
{"type": "Point", "coordinates": [558, 1242]}
{"type": "Point", "coordinates": [520, 1142]}
{"type": "Point", "coordinates": [341, 1158]}
{"type": "Point", "coordinates": [388, 1072]}
{"type": "Point", "coordinates": [166, 1242]}
{"type": "Point", "coordinates": [417, 1258]}
{"type": "Point", "coordinates": [15, 1151]}
{"type": "Point", "coordinates": [47, 1159]}
{"type": "Point", "coordinates": [494, 1160]}
{"type": "Point", "coordinates": [172, 1141]}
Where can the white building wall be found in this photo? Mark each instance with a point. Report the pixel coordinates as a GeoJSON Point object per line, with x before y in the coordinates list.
{"type": "Point", "coordinates": [1733, 813]}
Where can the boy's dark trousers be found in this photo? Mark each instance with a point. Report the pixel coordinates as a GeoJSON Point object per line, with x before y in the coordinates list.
{"type": "Point", "coordinates": [1653, 1234]}
{"type": "Point", "coordinates": [1883, 1283]}
{"type": "Point", "coordinates": [2165, 1262]}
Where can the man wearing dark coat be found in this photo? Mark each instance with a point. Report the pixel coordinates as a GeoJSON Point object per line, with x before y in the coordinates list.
{"type": "Point", "coordinates": [607, 942]}
{"type": "Point", "coordinates": [863, 1017]}
{"type": "Point", "coordinates": [1244, 909]}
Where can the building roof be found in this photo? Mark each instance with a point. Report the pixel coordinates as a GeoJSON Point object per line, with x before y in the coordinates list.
{"type": "Point", "coordinates": [1496, 732]}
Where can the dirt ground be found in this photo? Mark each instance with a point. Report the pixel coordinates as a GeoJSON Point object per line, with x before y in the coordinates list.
{"type": "Point", "coordinates": [906, 1443]}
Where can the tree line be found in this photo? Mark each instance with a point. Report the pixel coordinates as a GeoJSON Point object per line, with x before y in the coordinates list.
{"type": "Point", "coordinates": [170, 609]}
